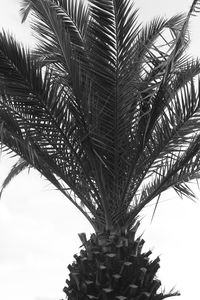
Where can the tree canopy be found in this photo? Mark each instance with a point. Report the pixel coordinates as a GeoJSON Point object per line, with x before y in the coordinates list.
{"type": "Point", "coordinates": [106, 109]}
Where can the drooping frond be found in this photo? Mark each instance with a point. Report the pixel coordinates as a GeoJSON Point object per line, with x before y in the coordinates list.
{"type": "Point", "coordinates": [35, 120]}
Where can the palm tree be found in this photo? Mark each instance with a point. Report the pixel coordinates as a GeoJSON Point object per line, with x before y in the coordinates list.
{"type": "Point", "coordinates": [108, 111]}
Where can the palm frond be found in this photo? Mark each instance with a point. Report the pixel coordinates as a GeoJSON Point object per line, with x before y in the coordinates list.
{"type": "Point", "coordinates": [35, 118]}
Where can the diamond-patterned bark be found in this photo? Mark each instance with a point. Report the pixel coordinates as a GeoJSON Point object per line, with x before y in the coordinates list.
{"type": "Point", "coordinates": [113, 266]}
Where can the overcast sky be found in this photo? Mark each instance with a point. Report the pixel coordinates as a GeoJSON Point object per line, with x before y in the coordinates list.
{"type": "Point", "coordinates": [39, 227]}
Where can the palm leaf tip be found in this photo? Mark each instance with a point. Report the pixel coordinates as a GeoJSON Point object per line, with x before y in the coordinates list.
{"type": "Point", "coordinates": [25, 10]}
{"type": "Point", "coordinates": [17, 168]}
{"type": "Point", "coordinates": [195, 8]}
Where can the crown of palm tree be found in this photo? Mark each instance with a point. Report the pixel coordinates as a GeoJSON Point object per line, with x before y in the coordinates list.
{"type": "Point", "coordinates": [106, 109]}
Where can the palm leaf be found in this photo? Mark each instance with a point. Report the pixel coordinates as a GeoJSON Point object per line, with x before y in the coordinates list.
{"type": "Point", "coordinates": [30, 116]}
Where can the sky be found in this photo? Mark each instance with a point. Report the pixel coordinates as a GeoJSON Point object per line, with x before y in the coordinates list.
{"type": "Point", "coordinates": [39, 227]}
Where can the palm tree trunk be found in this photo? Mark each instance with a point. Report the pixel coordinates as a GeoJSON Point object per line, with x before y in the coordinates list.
{"type": "Point", "coordinates": [112, 266]}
